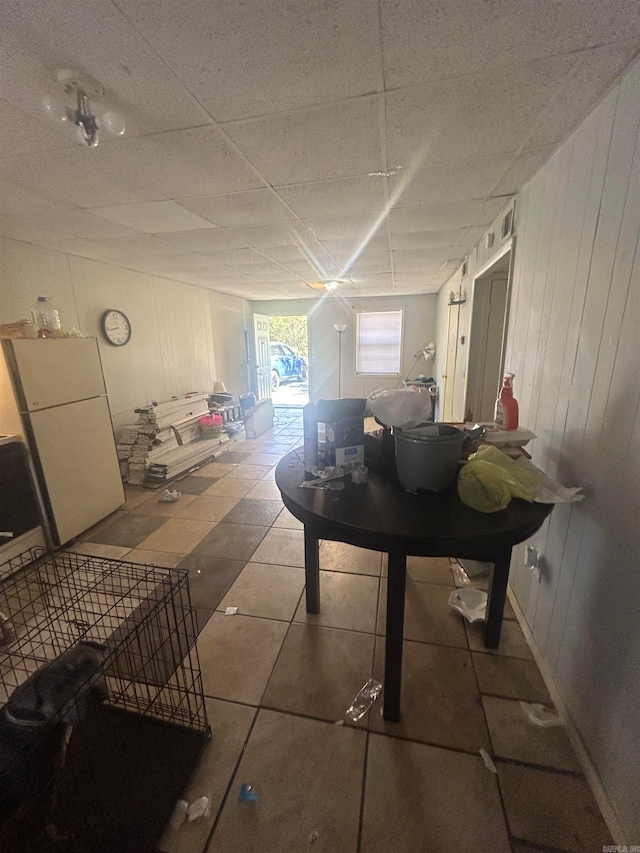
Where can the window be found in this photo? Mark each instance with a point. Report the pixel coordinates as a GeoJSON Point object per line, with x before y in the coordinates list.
{"type": "Point", "coordinates": [378, 342]}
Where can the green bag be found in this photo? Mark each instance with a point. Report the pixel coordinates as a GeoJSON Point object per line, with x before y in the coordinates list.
{"type": "Point", "coordinates": [490, 479]}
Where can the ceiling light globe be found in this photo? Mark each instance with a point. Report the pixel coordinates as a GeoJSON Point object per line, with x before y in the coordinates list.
{"type": "Point", "coordinates": [55, 109]}
{"type": "Point", "coordinates": [113, 123]}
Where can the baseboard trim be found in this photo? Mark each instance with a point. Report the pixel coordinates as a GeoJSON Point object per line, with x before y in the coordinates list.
{"type": "Point", "coordinates": [591, 774]}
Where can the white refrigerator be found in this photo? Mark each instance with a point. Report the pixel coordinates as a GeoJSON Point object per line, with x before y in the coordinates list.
{"type": "Point", "coordinates": [62, 399]}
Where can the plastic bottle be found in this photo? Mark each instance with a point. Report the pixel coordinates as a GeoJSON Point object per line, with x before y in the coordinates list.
{"type": "Point", "coordinates": [506, 416]}
{"type": "Point", "coordinates": [364, 700]}
{"type": "Point", "coordinates": [45, 316]}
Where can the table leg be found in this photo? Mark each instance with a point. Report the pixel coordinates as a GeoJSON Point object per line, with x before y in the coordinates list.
{"type": "Point", "coordinates": [312, 570]}
{"type": "Point", "coordinates": [497, 597]}
{"type": "Point", "coordinates": [395, 629]}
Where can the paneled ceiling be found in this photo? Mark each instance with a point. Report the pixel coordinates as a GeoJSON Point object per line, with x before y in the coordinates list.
{"type": "Point", "coordinates": [275, 143]}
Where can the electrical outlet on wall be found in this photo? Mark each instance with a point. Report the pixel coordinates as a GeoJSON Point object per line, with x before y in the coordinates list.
{"type": "Point", "coordinates": [532, 559]}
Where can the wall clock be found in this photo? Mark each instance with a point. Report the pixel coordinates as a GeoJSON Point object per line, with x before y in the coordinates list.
{"type": "Point", "coordinates": [116, 327]}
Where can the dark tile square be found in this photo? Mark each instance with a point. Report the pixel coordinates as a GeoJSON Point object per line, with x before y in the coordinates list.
{"type": "Point", "coordinates": [235, 456]}
{"type": "Point", "coordinates": [251, 511]}
{"type": "Point", "coordinates": [513, 678]}
{"type": "Point", "coordinates": [209, 581]}
{"type": "Point", "coordinates": [194, 485]}
{"type": "Point", "coordinates": [201, 616]}
{"type": "Point", "coordinates": [128, 530]}
{"type": "Point", "coordinates": [231, 541]}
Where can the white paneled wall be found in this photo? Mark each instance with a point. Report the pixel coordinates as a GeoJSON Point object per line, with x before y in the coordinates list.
{"type": "Point", "coordinates": [573, 343]}
{"type": "Point", "coordinates": [175, 341]}
{"type": "Point", "coordinates": [229, 319]}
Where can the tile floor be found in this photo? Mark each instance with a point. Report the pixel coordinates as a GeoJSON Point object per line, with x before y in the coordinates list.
{"type": "Point", "coordinates": [277, 680]}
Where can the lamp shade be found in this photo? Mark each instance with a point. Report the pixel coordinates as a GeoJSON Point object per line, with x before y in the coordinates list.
{"type": "Point", "coordinates": [219, 388]}
{"type": "Point", "coordinates": [340, 327]}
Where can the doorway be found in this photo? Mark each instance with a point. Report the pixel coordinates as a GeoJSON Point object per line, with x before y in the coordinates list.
{"type": "Point", "coordinates": [289, 349]}
{"type": "Point", "coordinates": [486, 340]}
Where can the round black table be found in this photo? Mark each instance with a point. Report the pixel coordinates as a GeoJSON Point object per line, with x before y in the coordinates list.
{"type": "Point", "coordinates": [382, 516]}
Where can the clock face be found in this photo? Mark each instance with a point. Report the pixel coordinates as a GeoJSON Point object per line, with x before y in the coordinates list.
{"type": "Point", "coordinates": [116, 327]}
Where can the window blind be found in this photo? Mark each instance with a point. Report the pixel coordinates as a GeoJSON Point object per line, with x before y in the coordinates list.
{"type": "Point", "coordinates": [378, 341]}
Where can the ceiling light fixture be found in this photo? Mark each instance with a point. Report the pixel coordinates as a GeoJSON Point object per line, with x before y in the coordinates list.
{"type": "Point", "coordinates": [87, 119]}
{"type": "Point", "coordinates": [331, 285]}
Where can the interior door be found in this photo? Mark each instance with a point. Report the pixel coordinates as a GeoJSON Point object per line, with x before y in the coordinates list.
{"type": "Point", "coordinates": [263, 356]}
{"type": "Point", "coordinates": [493, 350]}
{"type": "Point", "coordinates": [486, 337]}
{"type": "Point", "coordinates": [449, 375]}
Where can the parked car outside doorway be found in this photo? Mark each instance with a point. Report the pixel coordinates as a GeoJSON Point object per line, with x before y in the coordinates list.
{"type": "Point", "coordinates": [286, 365]}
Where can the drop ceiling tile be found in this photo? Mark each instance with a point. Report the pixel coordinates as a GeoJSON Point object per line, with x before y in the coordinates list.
{"type": "Point", "coordinates": [255, 207]}
{"type": "Point", "coordinates": [427, 239]}
{"type": "Point", "coordinates": [284, 254]}
{"type": "Point", "coordinates": [111, 249]}
{"type": "Point", "coordinates": [266, 268]}
{"type": "Point", "coordinates": [350, 249]}
{"type": "Point", "coordinates": [521, 169]}
{"type": "Point", "coordinates": [446, 271]}
{"type": "Point", "coordinates": [266, 236]}
{"type": "Point", "coordinates": [17, 200]}
{"type": "Point", "coordinates": [471, 238]}
{"type": "Point", "coordinates": [363, 268]}
{"type": "Point", "coordinates": [206, 240]}
{"type": "Point", "coordinates": [480, 115]}
{"type": "Point", "coordinates": [318, 271]}
{"type": "Point", "coordinates": [418, 283]}
{"type": "Point", "coordinates": [594, 74]}
{"type": "Point", "coordinates": [266, 273]}
{"type": "Point", "coordinates": [372, 282]}
{"type": "Point", "coordinates": [61, 223]}
{"type": "Point", "coordinates": [334, 141]}
{"type": "Point", "coordinates": [258, 58]}
{"type": "Point", "coordinates": [468, 179]}
{"type": "Point", "coordinates": [420, 260]}
{"type": "Point", "coordinates": [422, 42]}
{"type": "Point", "coordinates": [77, 246]}
{"type": "Point", "coordinates": [154, 217]}
{"type": "Point", "coordinates": [77, 176]}
{"type": "Point", "coordinates": [235, 257]}
{"type": "Point", "coordinates": [341, 197]}
{"type": "Point", "coordinates": [49, 34]}
{"type": "Point", "coordinates": [362, 228]}
{"type": "Point", "coordinates": [176, 265]}
{"type": "Point", "coordinates": [22, 134]}
{"type": "Point", "coordinates": [435, 217]}
{"type": "Point", "coordinates": [140, 244]}
{"type": "Point", "coordinates": [183, 163]}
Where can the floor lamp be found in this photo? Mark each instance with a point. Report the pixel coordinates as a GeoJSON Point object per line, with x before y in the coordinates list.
{"type": "Point", "coordinates": [339, 327]}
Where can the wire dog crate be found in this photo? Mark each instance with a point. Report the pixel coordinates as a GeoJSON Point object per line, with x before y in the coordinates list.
{"type": "Point", "coordinates": [100, 766]}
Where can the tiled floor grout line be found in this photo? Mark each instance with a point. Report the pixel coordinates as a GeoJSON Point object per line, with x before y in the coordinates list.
{"type": "Point", "coordinates": [497, 775]}
{"type": "Point", "coordinates": [363, 792]}
{"type": "Point", "coordinates": [379, 604]}
{"type": "Point", "coordinates": [231, 783]}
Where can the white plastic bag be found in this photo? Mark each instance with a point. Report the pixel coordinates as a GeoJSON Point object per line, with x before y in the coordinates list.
{"type": "Point", "coordinates": [404, 408]}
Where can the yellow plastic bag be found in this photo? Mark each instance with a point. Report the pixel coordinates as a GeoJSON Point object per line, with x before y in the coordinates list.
{"type": "Point", "coordinates": [490, 479]}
